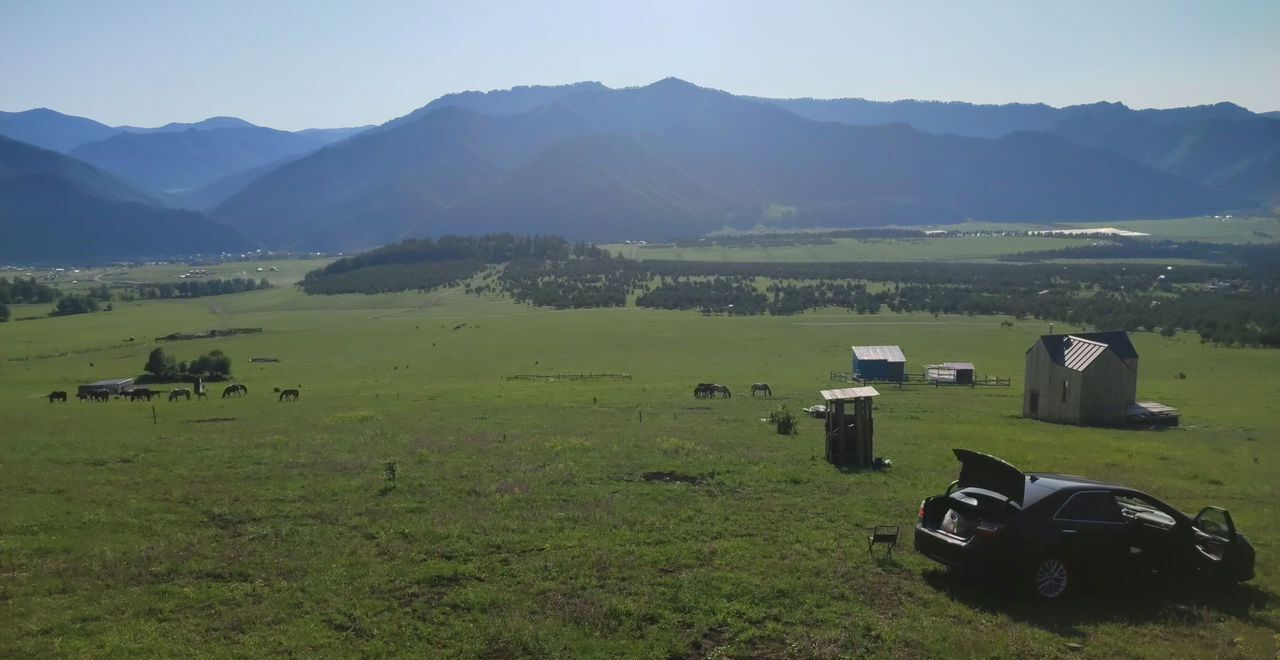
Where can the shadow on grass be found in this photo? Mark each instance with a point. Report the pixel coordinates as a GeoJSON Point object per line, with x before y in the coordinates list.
{"type": "Point", "coordinates": [1135, 599]}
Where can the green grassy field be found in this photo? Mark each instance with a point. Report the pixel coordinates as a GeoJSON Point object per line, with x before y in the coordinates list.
{"type": "Point", "coordinates": [977, 248]}
{"type": "Point", "coordinates": [974, 248]}
{"type": "Point", "coordinates": [521, 522]}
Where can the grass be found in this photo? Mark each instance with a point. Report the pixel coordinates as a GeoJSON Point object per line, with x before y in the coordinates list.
{"type": "Point", "coordinates": [521, 520]}
{"type": "Point", "coordinates": [978, 248]}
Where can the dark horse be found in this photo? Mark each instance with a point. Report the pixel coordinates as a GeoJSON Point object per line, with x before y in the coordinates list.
{"type": "Point", "coordinates": [289, 395]}
{"type": "Point", "coordinates": [710, 390]}
{"type": "Point", "coordinates": [139, 394]}
{"type": "Point", "coordinates": [57, 395]}
{"type": "Point", "coordinates": [179, 393]}
{"type": "Point", "coordinates": [761, 387]}
{"type": "Point", "coordinates": [100, 394]}
{"type": "Point", "coordinates": [235, 389]}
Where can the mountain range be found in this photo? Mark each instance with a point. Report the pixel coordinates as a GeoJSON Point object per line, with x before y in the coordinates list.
{"type": "Point", "coordinates": [664, 160]}
{"type": "Point", "coordinates": [54, 208]}
{"type": "Point", "coordinates": [673, 159]}
{"type": "Point", "coordinates": [179, 164]}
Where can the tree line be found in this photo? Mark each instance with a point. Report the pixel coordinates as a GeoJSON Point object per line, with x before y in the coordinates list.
{"type": "Point", "coordinates": [215, 365]}
{"type": "Point", "coordinates": [550, 272]}
{"type": "Point", "coordinates": [199, 289]}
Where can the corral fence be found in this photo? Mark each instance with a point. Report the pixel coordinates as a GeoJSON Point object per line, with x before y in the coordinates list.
{"type": "Point", "coordinates": [553, 377]}
{"type": "Point", "coordinates": [911, 380]}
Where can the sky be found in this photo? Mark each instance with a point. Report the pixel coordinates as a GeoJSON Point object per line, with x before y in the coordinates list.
{"type": "Point", "coordinates": [295, 64]}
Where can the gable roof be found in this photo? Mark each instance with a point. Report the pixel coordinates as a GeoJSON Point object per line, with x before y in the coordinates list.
{"type": "Point", "coordinates": [1080, 350]}
{"type": "Point", "coordinates": [887, 353]}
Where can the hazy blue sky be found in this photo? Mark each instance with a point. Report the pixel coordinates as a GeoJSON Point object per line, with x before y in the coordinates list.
{"type": "Point", "coordinates": [296, 64]}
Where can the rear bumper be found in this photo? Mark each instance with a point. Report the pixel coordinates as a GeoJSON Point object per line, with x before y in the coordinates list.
{"type": "Point", "coordinates": [972, 555]}
{"type": "Point", "coordinates": [942, 549]}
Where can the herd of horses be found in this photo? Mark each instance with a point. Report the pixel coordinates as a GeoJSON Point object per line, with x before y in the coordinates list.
{"type": "Point", "coordinates": [711, 390]}
{"type": "Point", "coordinates": [145, 394]}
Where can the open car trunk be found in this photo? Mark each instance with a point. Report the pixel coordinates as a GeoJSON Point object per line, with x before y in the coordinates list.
{"type": "Point", "coordinates": [988, 492]}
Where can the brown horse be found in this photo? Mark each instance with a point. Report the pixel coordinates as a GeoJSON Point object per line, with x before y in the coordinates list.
{"type": "Point", "coordinates": [57, 395]}
{"type": "Point", "coordinates": [100, 394]}
{"type": "Point", "coordinates": [139, 394]}
{"type": "Point", "coordinates": [179, 393]}
{"type": "Point", "coordinates": [289, 395]}
{"type": "Point", "coordinates": [235, 389]}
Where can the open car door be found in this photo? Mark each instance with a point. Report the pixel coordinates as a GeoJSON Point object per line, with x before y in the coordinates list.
{"type": "Point", "coordinates": [1220, 547]}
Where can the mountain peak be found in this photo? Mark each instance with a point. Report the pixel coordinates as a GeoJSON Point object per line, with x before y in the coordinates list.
{"type": "Point", "coordinates": [674, 82]}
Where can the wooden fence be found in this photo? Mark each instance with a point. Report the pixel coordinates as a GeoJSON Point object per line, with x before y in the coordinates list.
{"type": "Point", "coordinates": [552, 377]}
{"type": "Point", "coordinates": [924, 379]}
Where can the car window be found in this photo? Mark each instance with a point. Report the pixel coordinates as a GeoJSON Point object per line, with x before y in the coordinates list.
{"type": "Point", "coordinates": [1144, 511]}
{"type": "Point", "coordinates": [1091, 506]}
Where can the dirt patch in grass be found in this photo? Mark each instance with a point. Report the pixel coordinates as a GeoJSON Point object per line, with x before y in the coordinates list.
{"type": "Point", "coordinates": [679, 478]}
{"type": "Point", "coordinates": [211, 420]}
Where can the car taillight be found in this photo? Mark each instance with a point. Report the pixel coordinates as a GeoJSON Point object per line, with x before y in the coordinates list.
{"type": "Point", "coordinates": [988, 529]}
{"type": "Point", "coordinates": [920, 516]}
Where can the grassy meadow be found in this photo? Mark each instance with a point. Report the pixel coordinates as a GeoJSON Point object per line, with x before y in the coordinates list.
{"type": "Point", "coordinates": [969, 248]}
{"type": "Point", "coordinates": [613, 518]}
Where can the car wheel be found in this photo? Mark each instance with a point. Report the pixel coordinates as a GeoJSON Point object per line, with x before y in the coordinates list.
{"type": "Point", "coordinates": [1051, 578]}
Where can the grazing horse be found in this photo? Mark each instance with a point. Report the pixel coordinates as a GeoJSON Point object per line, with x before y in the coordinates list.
{"type": "Point", "coordinates": [139, 393]}
{"type": "Point", "coordinates": [761, 387]}
{"type": "Point", "coordinates": [288, 395]}
{"type": "Point", "coordinates": [235, 389]}
{"type": "Point", "coordinates": [57, 395]}
{"type": "Point", "coordinates": [179, 393]}
{"type": "Point", "coordinates": [710, 390]}
{"type": "Point", "coordinates": [100, 394]}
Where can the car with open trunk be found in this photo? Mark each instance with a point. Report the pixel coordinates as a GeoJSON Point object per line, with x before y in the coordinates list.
{"type": "Point", "coordinates": [1047, 531]}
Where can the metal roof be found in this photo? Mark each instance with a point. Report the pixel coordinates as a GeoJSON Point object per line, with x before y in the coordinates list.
{"type": "Point", "coordinates": [113, 381]}
{"type": "Point", "coordinates": [849, 393]}
{"type": "Point", "coordinates": [1078, 353]}
{"type": "Point", "coordinates": [887, 353]}
{"type": "Point", "coordinates": [958, 365]}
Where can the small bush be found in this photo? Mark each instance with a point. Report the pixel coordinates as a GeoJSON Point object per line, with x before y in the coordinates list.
{"type": "Point", "coordinates": [783, 420]}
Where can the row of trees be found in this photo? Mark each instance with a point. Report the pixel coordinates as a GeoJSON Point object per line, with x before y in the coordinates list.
{"type": "Point", "coordinates": [490, 249]}
{"type": "Point", "coordinates": [25, 291]}
{"type": "Point", "coordinates": [214, 364]}
{"type": "Point", "coordinates": [198, 289]}
{"type": "Point", "coordinates": [388, 278]}
{"type": "Point", "coordinates": [590, 280]}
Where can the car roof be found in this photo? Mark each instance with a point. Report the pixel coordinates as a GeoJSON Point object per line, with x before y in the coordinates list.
{"type": "Point", "coordinates": [1057, 481]}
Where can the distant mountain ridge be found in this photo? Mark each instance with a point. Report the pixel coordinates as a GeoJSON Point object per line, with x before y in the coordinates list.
{"type": "Point", "coordinates": [50, 129]}
{"type": "Point", "coordinates": [184, 165]}
{"type": "Point", "coordinates": [1223, 145]}
{"type": "Point", "coordinates": [55, 209]}
{"type": "Point", "coordinates": [190, 158]}
{"type": "Point", "coordinates": [674, 159]}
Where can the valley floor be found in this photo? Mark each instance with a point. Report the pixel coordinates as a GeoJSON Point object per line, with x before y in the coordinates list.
{"type": "Point", "coordinates": [520, 520]}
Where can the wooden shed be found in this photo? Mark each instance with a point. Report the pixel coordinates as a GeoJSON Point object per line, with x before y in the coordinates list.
{"type": "Point", "coordinates": [1088, 378]}
{"type": "Point", "coordinates": [850, 428]}
{"type": "Point", "coordinates": [958, 373]}
{"type": "Point", "coordinates": [963, 371]}
{"type": "Point", "coordinates": [879, 363]}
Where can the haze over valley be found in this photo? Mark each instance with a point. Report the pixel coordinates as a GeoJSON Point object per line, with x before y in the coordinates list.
{"type": "Point", "coordinates": [665, 160]}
